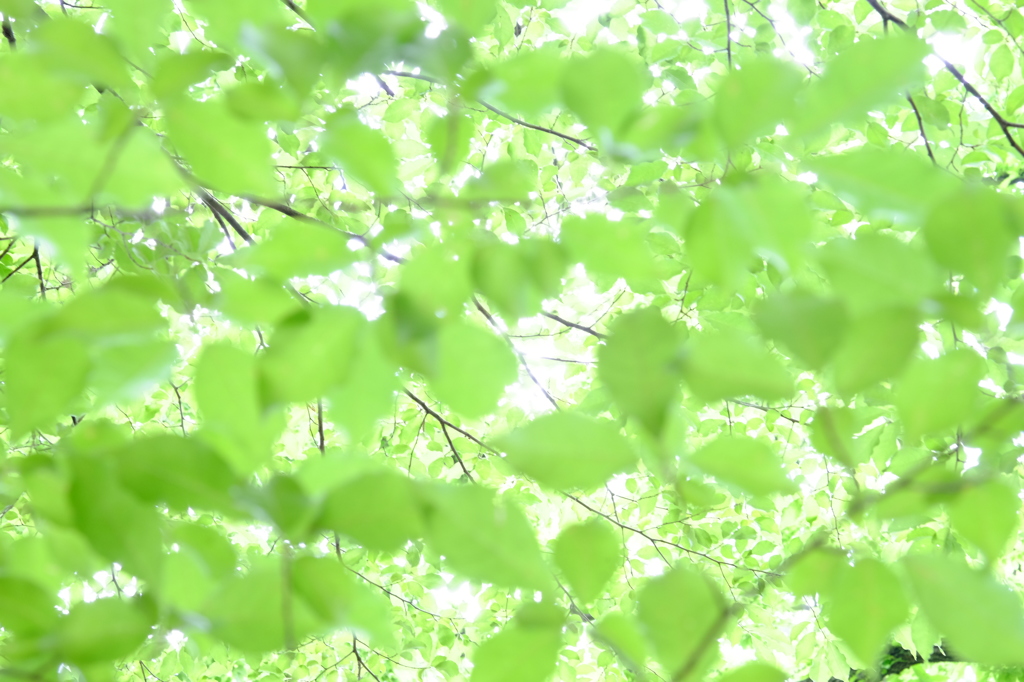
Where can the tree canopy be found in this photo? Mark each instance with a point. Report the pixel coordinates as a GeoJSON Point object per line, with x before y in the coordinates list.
{"type": "Point", "coordinates": [510, 340]}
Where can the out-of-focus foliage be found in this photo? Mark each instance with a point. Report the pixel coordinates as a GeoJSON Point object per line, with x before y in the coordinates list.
{"type": "Point", "coordinates": [510, 340]}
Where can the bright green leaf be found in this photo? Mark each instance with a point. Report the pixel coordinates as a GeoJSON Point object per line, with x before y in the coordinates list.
{"type": "Point", "coordinates": [746, 463]}
{"type": "Point", "coordinates": [568, 451]}
{"type": "Point", "coordinates": [588, 554]}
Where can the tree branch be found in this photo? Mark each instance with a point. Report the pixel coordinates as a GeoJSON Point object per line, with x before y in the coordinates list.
{"type": "Point", "coordinates": [499, 112]}
{"type": "Point", "coordinates": [1004, 124]}
{"type": "Point", "coordinates": [574, 325]}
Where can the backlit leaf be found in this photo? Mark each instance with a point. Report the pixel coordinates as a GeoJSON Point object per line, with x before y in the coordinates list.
{"type": "Point", "coordinates": [568, 451]}
{"type": "Point", "coordinates": [746, 463]}
{"type": "Point", "coordinates": [640, 364]}
{"type": "Point", "coordinates": [981, 618]}
{"type": "Point", "coordinates": [588, 554]}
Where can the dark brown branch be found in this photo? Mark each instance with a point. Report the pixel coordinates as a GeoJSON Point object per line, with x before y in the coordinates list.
{"type": "Point", "coordinates": [522, 359]}
{"type": "Point", "coordinates": [299, 215]}
{"type": "Point", "coordinates": [17, 267]}
{"type": "Point", "coordinates": [1004, 124]}
{"type": "Point", "coordinates": [920, 127]}
{"type": "Point", "coordinates": [728, 33]}
{"type": "Point", "coordinates": [8, 32]}
{"type": "Point", "coordinates": [655, 540]}
{"type": "Point", "coordinates": [499, 112]}
{"type": "Point", "coordinates": [39, 272]}
{"type": "Point", "coordinates": [426, 408]}
{"type": "Point", "coordinates": [574, 325]}
{"type": "Point", "coordinates": [219, 209]}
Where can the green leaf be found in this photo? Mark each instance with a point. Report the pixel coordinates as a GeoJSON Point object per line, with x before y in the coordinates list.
{"type": "Point", "coordinates": [296, 249]}
{"type": "Point", "coordinates": [249, 610]}
{"type": "Point", "coordinates": [722, 365]}
{"type": "Point", "coordinates": [224, 152]}
{"type": "Point", "coordinates": [484, 539]}
{"type": "Point", "coordinates": [102, 630]}
{"type": "Point", "coordinates": [437, 279]}
{"type": "Point", "coordinates": [808, 327]}
{"type": "Point", "coordinates": [142, 172]}
{"type": "Point", "coordinates": [640, 364]}
{"type": "Point", "coordinates": [679, 611]}
{"type": "Point", "coordinates": [175, 72]}
{"type": "Point", "coordinates": [1001, 63]}
{"type": "Point", "coordinates": [129, 371]}
{"type": "Point", "coordinates": [43, 375]}
{"type": "Point", "coordinates": [473, 368]}
{"type": "Point", "coordinates": [568, 451]}
{"type": "Point", "coordinates": [604, 88]}
{"type": "Point", "coordinates": [746, 463]}
{"type": "Point", "coordinates": [520, 652]}
{"type": "Point", "coordinates": [936, 395]}
{"type": "Point", "coordinates": [588, 554]}
{"type": "Point", "coordinates": [885, 182]}
{"type": "Point", "coordinates": [607, 248]}
{"type": "Point", "coordinates": [832, 432]}
{"type": "Point", "coordinates": [253, 301]}
{"type": "Point", "coordinates": [74, 48]}
{"type": "Point", "coordinates": [180, 472]}
{"type": "Point", "coordinates": [26, 609]}
{"type": "Point", "coordinates": [506, 181]}
{"type": "Point", "coordinates": [754, 671]}
{"type": "Point", "coordinates": [814, 572]}
{"type": "Point", "coordinates": [864, 76]}
{"type": "Point", "coordinates": [752, 100]}
{"type": "Point", "coordinates": [877, 347]}
{"type": "Point", "coordinates": [332, 592]}
{"type": "Point", "coordinates": [471, 15]}
{"type": "Point", "coordinates": [378, 510]}
{"type": "Point", "coordinates": [310, 353]}
{"type": "Point", "coordinates": [972, 232]}
{"type": "Point", "coordinates": [876, 271]}
{"type": "Point", "coordinates": [32, 91]}
{"type": "Point", "coordinates": [528, 83]}
{"type": "Point", "coordinates": [368, 391]}
{"type": "Point", "coordinates": [139, 25]}
{"type": "Point", "coordinates": [622, 634]}
{"type": "Point", "coordinates": [362, 152]}
{"type": "Point", "coordinates": [865, 603]}
{"type": "Point", "coordinates": [988, 515]}
{"type": "Point", "coordinates": [118, 526]}
{"type": "Point", "coordinates": [501, 272]}
{"type": "Point", "coordinates": [449, 138]}
{"type": "Point", "coordinates": [227, 393]}
{"type": "Point", "coordinates": [981, 618]}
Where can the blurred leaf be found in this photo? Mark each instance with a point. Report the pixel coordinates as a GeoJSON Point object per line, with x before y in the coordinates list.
{"type": "Point", "coordinates": [379, 510]}
{"type": "Point", "coordinates": [981, 618]}
{"type": "Point", "coordinates": [473, 368]}
{"type": "Point", "coordinates": [566, 450]}
{"type": "Point", "coordinates": [807, 326]}
{"type": "Point", "coordinates": [362, 152]}
{"type": "Point", "coordinates": [746, 463]}
{"type": "Point", "coordinates": [752, 100]}
{"type": "Point", "coordinates": [865, 75]}
{"type": "Point", "coordinates": [640, 364]}
{"type": "Point", "coordinates": [588, 554]}
{"type": "Point", "coordinates": [223, 151]}
{"type": "Point", "coordinates": [939, 394]}
{"type": "Point", "coordinates": [679, 611]}
{"type": "Point", "coordinates": [604, 88]}
{"type": "Point", "coordinates": [102, 630]}
{"type": "Point", "coordinates": [484, 539]}
{"type": "Point", "coordinates": [722, 365]}
{"type": "Point", "coordinates": [988, 515]}
{"type": "Point", "coordinates": [865, 603]}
